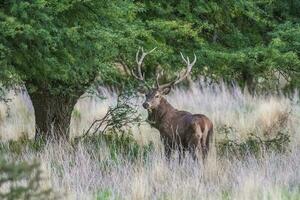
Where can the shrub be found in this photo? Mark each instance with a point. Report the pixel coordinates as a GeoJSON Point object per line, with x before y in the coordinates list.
{"type": "Point", "coordinates": [119, 117]}
{"type": "Point", "coordinates": [118, 144]}
{"type": "Point", "coordinates": [113, 130]}
{"type": "Point", "coordinates": [254, 145]}
{"type": "Point", "coordinates": [21, 145]}
{"type": "Point", "coordinates": [21, 181]}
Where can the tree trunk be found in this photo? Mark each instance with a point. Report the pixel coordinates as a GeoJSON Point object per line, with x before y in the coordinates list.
{"type": "Point", "coordinates": [52, 115]}
{"type": "Point", "coordinates": [248, 79]}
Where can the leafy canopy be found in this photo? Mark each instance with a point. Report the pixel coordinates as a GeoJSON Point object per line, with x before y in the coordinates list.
{"type": "Point", "coordinates": [62, 46]}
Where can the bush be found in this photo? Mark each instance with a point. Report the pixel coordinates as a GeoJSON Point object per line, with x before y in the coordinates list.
{"type": "Point", "coordinates": [254, 145]}
{"type": "Point", "coordinates": [19, 146]}
{"type": "Point", "coordinates": [21, 181]}
{"type": "Point", "coordinates": [113, 130]}
{"type": "Point", "coordinates": [118, 144]}
{"type": "Point", "coordinates": [118, 118]}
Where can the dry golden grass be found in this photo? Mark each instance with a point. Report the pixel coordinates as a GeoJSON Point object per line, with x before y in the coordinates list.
{"type": "Point", "coordinates": [16, 117]}
{"type": "Point", "coordinates": [81, 175]}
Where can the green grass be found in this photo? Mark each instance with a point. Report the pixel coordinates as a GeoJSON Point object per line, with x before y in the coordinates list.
{"type": "Point", "coordinates": [106, 194]}
{"type": "Point", "coordinates": [118, 144]}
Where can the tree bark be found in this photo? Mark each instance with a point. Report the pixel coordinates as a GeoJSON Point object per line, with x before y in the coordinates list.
{"type": "Point", "coordinates": [52, 115]}
{"type": "Point", "coordinates": [248, 79]}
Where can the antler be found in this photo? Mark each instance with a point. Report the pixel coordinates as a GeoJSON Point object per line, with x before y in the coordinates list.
{"type": "Point", "coordinates": [140, 76]}
{"type": "Point", "coordinates": [181, 77]}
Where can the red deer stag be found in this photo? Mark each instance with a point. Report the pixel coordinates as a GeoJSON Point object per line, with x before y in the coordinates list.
{"type": "Point", "coordinates": [178, 129]}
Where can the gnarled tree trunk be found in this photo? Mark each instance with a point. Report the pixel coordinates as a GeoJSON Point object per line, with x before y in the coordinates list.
{"type": "Point", "coordinates": [52, 115]}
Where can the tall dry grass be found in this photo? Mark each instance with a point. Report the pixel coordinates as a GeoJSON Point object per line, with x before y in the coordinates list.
{"type": "Point", "coordinates": [16, 116]}
{"type": "Point", "coordinates": [81, 174]}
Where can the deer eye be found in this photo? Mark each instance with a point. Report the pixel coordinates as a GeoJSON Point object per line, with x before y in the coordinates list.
{"type": "Point", "coordinates": [156, 96]}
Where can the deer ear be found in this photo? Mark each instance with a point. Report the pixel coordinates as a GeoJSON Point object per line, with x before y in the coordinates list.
{"type": "Point", "coordinates": [166, 90]}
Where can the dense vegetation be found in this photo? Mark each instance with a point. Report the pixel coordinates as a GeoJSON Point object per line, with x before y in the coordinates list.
{"type": "Point", "coordinates": [58, 49]}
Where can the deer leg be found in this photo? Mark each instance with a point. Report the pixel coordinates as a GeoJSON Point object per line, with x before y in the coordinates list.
{"type": "Point", "coordinates": [204, 143]}
{"type": "Point", "coordinates": [206, 140]}
{"type": "Point", "coordinates": [195, 142]}
{"type": "Point", "coordinates": [168, 151]}
{"type": "Point", "coordinates": [209, 139]}
{"type": "Point", "coordinates": [204, 150]}
{"type": "Point", "coordinates": [181, 154]}
{"type": "Point", "coordinates": [193, 153]}
{"type": "Point", "coordinates": [180, 149]}
{"type": "Point", "coordinates": [194, 147]}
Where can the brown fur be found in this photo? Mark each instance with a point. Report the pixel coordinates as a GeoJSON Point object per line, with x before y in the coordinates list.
{"type": "Point", "coordinates": [180, 129]}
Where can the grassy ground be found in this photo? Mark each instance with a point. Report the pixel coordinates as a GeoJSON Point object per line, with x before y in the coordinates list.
{"type": "Point", "coordinates": [261, 167]}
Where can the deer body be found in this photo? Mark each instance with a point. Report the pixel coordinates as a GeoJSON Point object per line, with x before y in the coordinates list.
{"type": "Point", "coordinates": [178, 129]}
{"type": "Point", "coordinates": [181, 130]}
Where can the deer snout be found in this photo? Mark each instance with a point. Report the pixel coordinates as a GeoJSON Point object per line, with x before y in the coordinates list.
{"type": "Point", "coordinates": [146, 105]}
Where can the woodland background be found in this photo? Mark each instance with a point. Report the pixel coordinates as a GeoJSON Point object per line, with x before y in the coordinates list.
{"type": "Point", "coordinates": [65, 64]}
{"type": "Point", "coordinates": [58, 49]}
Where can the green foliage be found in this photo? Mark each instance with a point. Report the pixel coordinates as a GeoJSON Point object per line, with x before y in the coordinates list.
{"type": "Point", "coordinates": [58, 49]}
{"type": "Point", "coordinates": [245, 41]}
{"type": "Point", "coordinates": [105, 194]}
{"type": "Point", "coordinates": [22, 180]}
{"type": "Point", "coordinates": [76, 114]}
{"type": "Point", "coordinates": [254, 145]}
{"type": "Point", "coordinates": [122, 115]}
{"type": "Point", "coordinates": [22, 144]}
{"type": "Point", "coordinates": [62, 46]}
{"type": "Point", "coordinates": [283, 193]}
{"type": "Point", "coordinates": [290, 194]}
{"type": "Point", "coordinates": [112, 130]}
{"type": "Point", "coordinates": [119, 145]}
{"type": "Point", "coordinates": [226, 195]}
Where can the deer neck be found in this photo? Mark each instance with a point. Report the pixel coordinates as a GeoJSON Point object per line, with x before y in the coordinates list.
{"type": "Point", "coordinates": [161, 113]}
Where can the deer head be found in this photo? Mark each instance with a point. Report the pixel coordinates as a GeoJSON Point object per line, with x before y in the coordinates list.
{"type": "Point", "coordinates": [156, 93]}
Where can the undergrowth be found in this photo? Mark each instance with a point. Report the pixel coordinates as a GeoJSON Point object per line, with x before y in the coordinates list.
{"type": "Point", "coordinates": [22, 180]}
{"type": "Point", "coordinates": [118, 144]}
{"type": "Point", "coordinates": [253, 144]}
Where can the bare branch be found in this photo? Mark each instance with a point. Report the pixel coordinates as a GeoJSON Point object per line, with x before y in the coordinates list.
{"type": "Point", "coordinates": [117, 118]}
